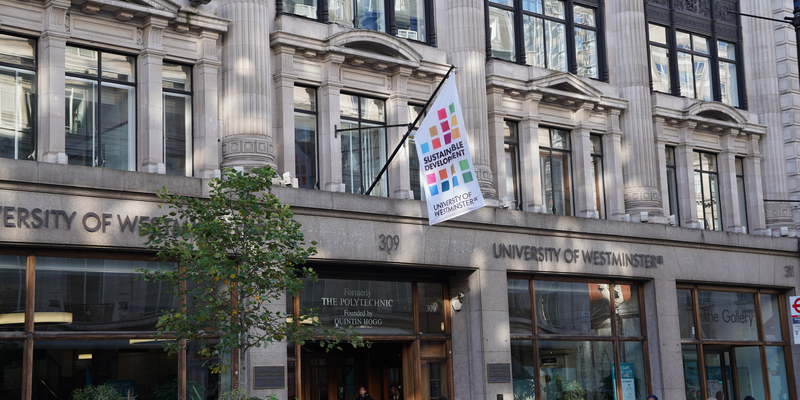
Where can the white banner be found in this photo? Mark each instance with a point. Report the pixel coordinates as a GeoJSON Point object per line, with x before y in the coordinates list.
{"type": "Point", "coordinates": [449, 176]}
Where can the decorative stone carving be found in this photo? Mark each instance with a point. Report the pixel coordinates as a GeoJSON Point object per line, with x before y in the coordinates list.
{"type": "Point", "coordinates": [701, 7]}
{"type": "Point", "coordinates": [664, 3]}
{"type": "Point", "coordinates": [723, 12]}
{"type": "Point", "coordinates": [139, 36]}
{"type": "Point", "coordinates": [247, 150]}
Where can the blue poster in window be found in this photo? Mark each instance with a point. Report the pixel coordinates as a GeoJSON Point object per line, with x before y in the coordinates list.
{"type": "Point", "coordinates": [628, 381]}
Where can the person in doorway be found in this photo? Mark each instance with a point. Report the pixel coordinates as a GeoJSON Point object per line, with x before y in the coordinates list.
{"type": "Point", "coordinates": [363, 395]}
{"type": "Point", "coordinates": [394, 392]}
{"type": "Point", "coordinates": [720, 395]}
{"type": "Point", "coordinates": [652, 397]}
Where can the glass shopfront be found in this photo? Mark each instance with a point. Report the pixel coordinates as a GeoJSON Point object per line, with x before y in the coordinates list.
{"type": "Point", "coordinates": [734, 343]}
{"type": "Point", "coordinates": [568, 345]}
{"type": "Point", "coordinates": [94, 323]}
{"type": "Point", "coordinates": [407, 323]}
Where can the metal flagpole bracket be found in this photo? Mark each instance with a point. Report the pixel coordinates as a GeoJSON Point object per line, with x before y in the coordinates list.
{"type": "Point", "coordinates": [411, 127]}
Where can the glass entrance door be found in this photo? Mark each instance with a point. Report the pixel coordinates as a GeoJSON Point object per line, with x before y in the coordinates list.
{"type": "Point", "coordinates": [718, 374]}
{"type": "Point", "coordinates": [339, 374]}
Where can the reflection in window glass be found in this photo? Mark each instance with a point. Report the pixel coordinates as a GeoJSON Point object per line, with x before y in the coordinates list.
{"type": "Point", "coordinates": [554, 8]}
{"type": "Point", "coordinates": [303, 8]}
{"type": "Point", "coordinates": [414, 172]}
{"type": "Point", "coordinates": [629, 319]}
{"type": "Point", "coordinates": [305, 136]}
{"type": "Point", "coordinates": [523, 373]}
{"type": "Point", "coordinates": [431, 307]}
{"type": "Point", "coordinates": [707, 191]}
{"type": "Point", "coordinates": [728, 84]}
{"type": "Point", "coordinates": [341, 12]}
{"type": "Point", "coordinates": [371, 15]}
{"type": "Point", "coordinates": [364, 150]}
{"type": "Point", "coordinates": [555, 170]}
{"type": "Point", "coordinates": [199, 377]}
{"type": "Point", "coordinates": [776, 363]}
{"type": "Point", "coordinates": [511, 153]}
{"type": "Point", "coordinates": [580, 370]}
{"type": "Point", "coordinates": [12, 291]}
{"type": "Point", "coordinates": [17, 97]}
{"type": "Point", "coordinates": [573, 308]}
{"type": "Point", "coordinates": [727, 315]}
{"type": "Point", "coordinates": [501, 28]}
{"type": "Point", "coordinates": [11, 354]}
{"type": "Point", "coordinates": [598, 187]}
{"type": "Point", "coordinates": [586, 52]}
{"type": "Point", "coordinates": [686, 74]}
{"type": "Point", "coordinates": [686, 314]}
{"type": "Point", "coordinates": [750, 380]}
{"type": "Point", "coordinates": [410, 19]}
{"type": "Point", "coordinates": [177, 119]}
{"type": "Point", "coordinates": [434, 374]}
{"type": "Point", "coordinates": [101, 295]}
{"type": "Point", "coordinates": [741, 194]}
{"type": "Point", "coordinates": [659, 69]}
{"type": "Point", "coordinates": [534, 40]}
{"type": "Point", "coordinates": [118, 67]}
{"type": "Point", "coordinates": [632, 368]}
{"type": "Point", "coordinates": [141, 366]}
{"type": "Point", "coordinates": [556, 45]}
{"type": "Point", "coordinates": [672, 184]}
{"type": "Point", "coordinates": [519, 306]}
{"type": "Point", "coordinates": [771, 318]}
{"type": "Point", "coordinates": [691, 373]}
{"type": "Point", "coordinates": [658, 33]}
{"type": "Point", "coordinates": [17, 50]}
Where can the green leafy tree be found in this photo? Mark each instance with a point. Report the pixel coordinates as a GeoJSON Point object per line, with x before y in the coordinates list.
{"type": "Point", "coordinates": [239, 250]}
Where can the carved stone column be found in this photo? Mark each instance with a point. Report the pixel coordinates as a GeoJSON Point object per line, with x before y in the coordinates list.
{"type": "Point", "coordinates": [397, 110]}
{"type": "Point", "coordinates": [284, 106]}
{"type": "Point", "coordinates": [629, 25]}
{"type": "Point", "coordinates": [247, 79]}
{"type": "Point", "coordinates": [206, 143]}
{"type": "Point", "coordinates": [330, 145]}
{"type": "Point", "coordinates": [764, 99]}
{"type": "Point", "coordinates": [52, 45]}
{"type": "Point", "coordinates": [529, 154]}
{"type": "Point", "coordinates": [150, 116]}
{"type": "Point", "coordinates": [465, 43]}
{"type": "Point", "coordinates": [496, 116]}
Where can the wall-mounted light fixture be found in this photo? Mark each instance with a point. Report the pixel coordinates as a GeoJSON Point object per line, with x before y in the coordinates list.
{"type": "Point", "coordinates": [456, 302]}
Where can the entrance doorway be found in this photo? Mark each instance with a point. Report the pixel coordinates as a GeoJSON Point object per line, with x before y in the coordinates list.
{"type": "Point", "coordinates": [718, 362]}
{"type": "Point", "coordinates": [337, 375]}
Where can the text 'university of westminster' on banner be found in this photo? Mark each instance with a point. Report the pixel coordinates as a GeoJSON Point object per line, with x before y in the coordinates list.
{"type": "Point", "coordinates": [445, 159]}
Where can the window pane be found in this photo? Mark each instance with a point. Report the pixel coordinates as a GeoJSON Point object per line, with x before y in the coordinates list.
{"type": "Point", "coordinates": [560, 139]}
{"type": "Point", "coordinates": [118, 67]}
{"type": "Point", "coordinates": [101, 295]}
{"type": "Point", "coordinates": [632, 371]}
{"type": "Point", "coordinates": [572, 308]}
{"type": "Point", "coordinates": [501, 26]}
{"type": "Point", "coordinates": [672, 190]}
{"type": "Point", "coordinates": [576, 370]}
{"type": "Point", "coordinates": [596, 143]}
{"type": "Point", "coordinates": [586, 52]}
{"type": "Point", "coordinates": [17, 50]}
{"type": "Point", "coordinates": [341, 12]}
{"type": "Point", "coordinates": [709, 162]}
{"type": "Point", "coordinates": [519, 306]}
{"type": "Point", "coordinates": [17, 112]}
{"type": "Point", "coordinates": [372, 109]}
{"type": "Point", "coordinates": [80, 61]}
{"type": "Point", "coordinates": [305, 98]}
{"type": "Point", "coordinates": [544, 137]}
{"type": "Point", "coordinates": [686, 314]}
{"type": "Point", "coordinates": [415, 174]}
{"type": "Point", "coordinates": [432, 373]}
{"type": "Point", "coordinates": [374, 147]}
{"type": "Point", "coordinates": [431, 307]}
{"type": "Point", "coordinates": [726, 50]}
{"type": "Point", "coordinates": [389, 304]}
{"type": "Point", "coordinates": [771, 318]}
{"type": "Point", "coordinates": [512, 176]}
{"type": "Point", "coordinates": [702, 74]}
{"type": "Point", "coordinates": [523, 372]}
{"type": "Point", "coordinates": [80, 125]}
{"type": "Point", "coordinates": [534, 40]}
{"type": "Point", "coordinates": [509, 3]}
{"type": "Point", "coordinates": [532, 6]}
{"type": "Point", "coordinates": [12, 290]}
{"type": "Point", "coordinates": [584, 15]}
{"type": "Point", "coordinates": [348, 106]}
{"type": "Point", "coordinates": [728, 84]}
{"type": "Point", "coordinates": [142, 367]}
{"type": "Point", "coordinates": [178, 134]}
{"type": "Point", "coordinates": [691, 373]}
{"type": "Point", "coordinates": [351, 159]}
{"type": "Point", "coordinates": [305, 149]}
{"type": "Point", "coordinates": [750, 381]}
{"type": "Point", "coordinates": [304, 8]}
{"type": "Point", "coordinates": [776, 363]}
{"type": "Point", "coordinates": [713, 188]}
{"type": "Point", "coordinates": [683, 41]}
{"type": "Point", "coordinates": [658, 34]}
{"type": "Point", "coordinates": [686, 74]}
{"type": "Point", "coordinates": [410, 19]}
{"type": "Point", "coordinates": [177, 77]}
{"type": "Point", "coordinates": [554, 8]}
{"type": "Point", "coordinates": [700, 44]}
{"type": "Point", "coordinates": [659, 69]}
{"type": "Point", "coordinates": [561, 174]}
{"type": "Point", "coordinates": [556, 46]}
{"type": "Point", "coordinates": [117, 135]}
{"type": "Point", "coordinates": [727, 315]}
{"type": "Point", "coordinates": [11, 355]}
{"type": "Point", "coordinates": [629, 318]}
{"type": "Point", "coordinates": [742, 203]}
{"type": "Point", "coordinates": [510, 131]}
{"type": "Point", "coordinates": [371, 15]}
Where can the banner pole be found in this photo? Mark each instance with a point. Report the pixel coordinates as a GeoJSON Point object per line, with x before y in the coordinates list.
{"type": "Point", "coordinates": [411, 127]}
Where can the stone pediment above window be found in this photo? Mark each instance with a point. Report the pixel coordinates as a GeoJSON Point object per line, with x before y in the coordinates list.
{"type": "Point", "coordinates": [708, 116]}
{"type": "Point", "coordinates": [370, 42]}
{"type": "Point", "coordinates": [124, 10]}
{"type": "Point", "coordinates": [562, 89]}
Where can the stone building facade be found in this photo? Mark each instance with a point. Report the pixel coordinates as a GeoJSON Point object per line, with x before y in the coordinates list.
{"type": "Point", "coordinates": [638, 159]}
